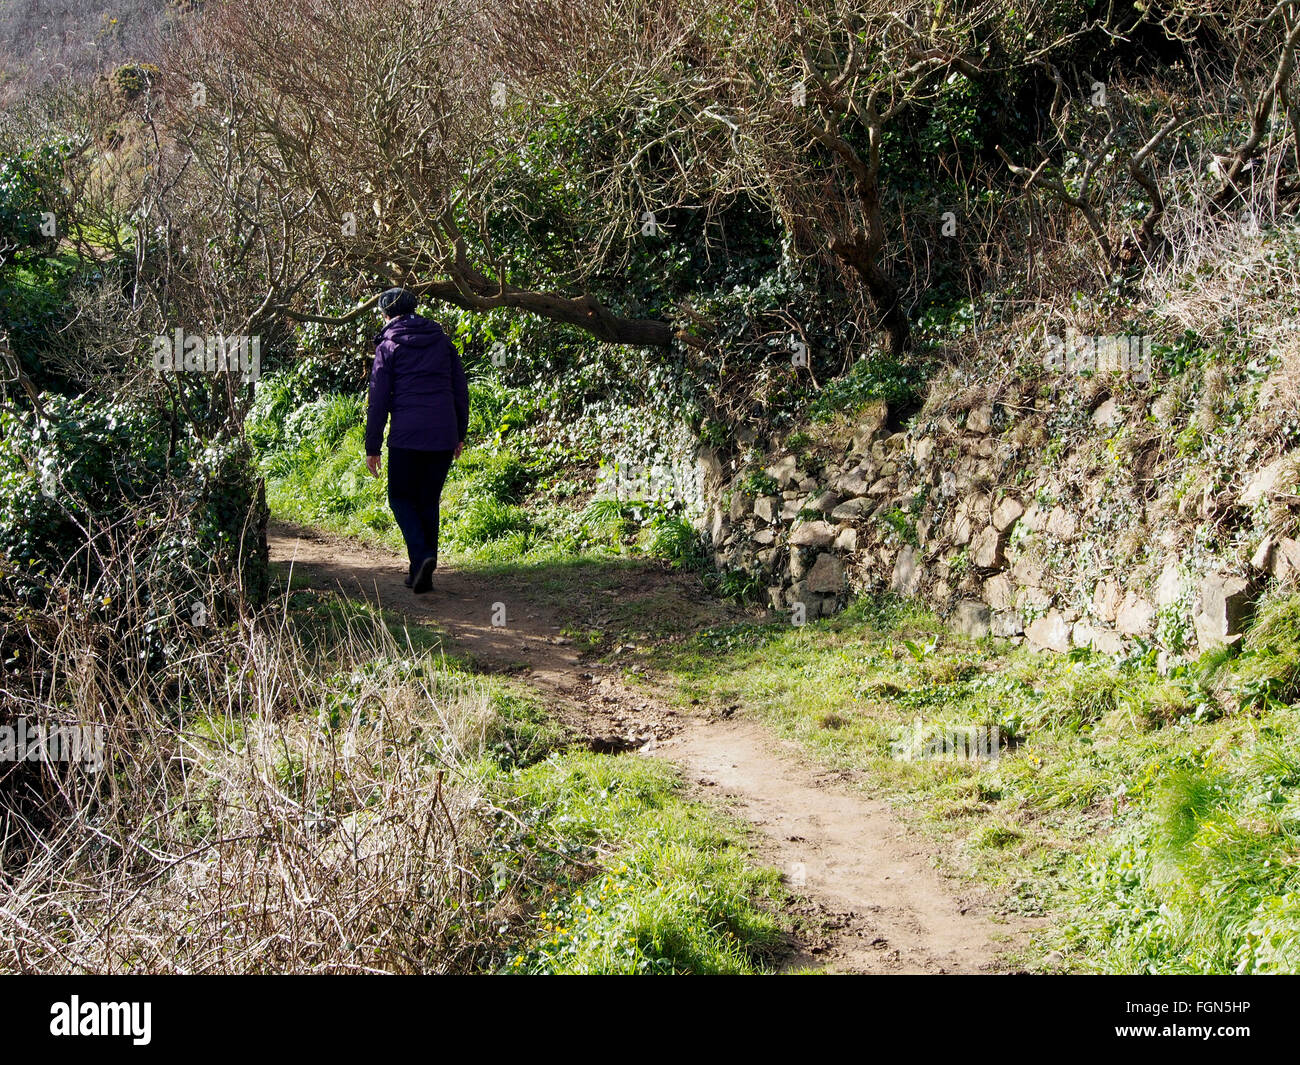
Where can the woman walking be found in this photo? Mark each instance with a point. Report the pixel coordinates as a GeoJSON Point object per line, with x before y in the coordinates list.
{"type": "Point", "coordinates": [418, 379]}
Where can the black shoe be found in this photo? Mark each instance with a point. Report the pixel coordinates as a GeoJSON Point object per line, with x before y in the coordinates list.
{"type": "Point", "coordinates": [408, 580]}
{"type": "Point", "coordinates": [424, 578]}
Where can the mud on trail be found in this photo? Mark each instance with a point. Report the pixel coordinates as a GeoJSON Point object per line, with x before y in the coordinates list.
{"type": "Point", "coordinates": [866, 897]}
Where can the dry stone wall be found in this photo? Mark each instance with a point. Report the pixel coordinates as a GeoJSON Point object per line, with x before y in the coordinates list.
{"type": "Point", "coordinates": [1063, 523]}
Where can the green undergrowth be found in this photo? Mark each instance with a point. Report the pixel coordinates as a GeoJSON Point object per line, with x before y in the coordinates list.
{"type": "Point", "coordinates": [1154, 818]}
{"type": "Point", "coordinates": [586, 863]}
{"type": "Point", "coordinates": [505, 501]}
{"type": "Point", "coordinates": [659, 884]}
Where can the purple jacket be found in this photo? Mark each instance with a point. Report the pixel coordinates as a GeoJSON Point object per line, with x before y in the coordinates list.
{"type": "Point", "coordinates": [418, 379]}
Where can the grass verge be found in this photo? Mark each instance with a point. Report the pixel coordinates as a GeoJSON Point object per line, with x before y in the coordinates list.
{"type": "Point", "coordinates": [1155, 819]}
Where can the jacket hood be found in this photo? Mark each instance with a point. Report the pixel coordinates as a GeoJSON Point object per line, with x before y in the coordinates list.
{"type": "Point", "coordinates": [412, 330]}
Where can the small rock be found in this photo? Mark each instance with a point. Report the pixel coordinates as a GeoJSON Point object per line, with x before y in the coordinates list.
{"type": "Point", "coordinates": [767, 508]}
{"type": "Point", "coordinates": [1007, 513]}
{"type": "Point", "coordinates": [813, 534]}
{"type": "Point", "coordinates": [826, 575]}
{"type": "Point", "coordinates": [980, 419]}
{"type": "Point", "coordinates": [907, 572]}
{"type": "Point", "coordinates": [1222, 608]}
{"type": "Point", "coordinates": [784, 470]}
{"type": "Point", "coordinates": [972, 618]}
{"type": "Point", "coordinates": [1050, 633]}
{"type": "Point", "coordinates": [1134, 616]}
{"type": "Point", "coordinates": [1062, 524]}
{"type": "Point", "coordinates": [986, 549]}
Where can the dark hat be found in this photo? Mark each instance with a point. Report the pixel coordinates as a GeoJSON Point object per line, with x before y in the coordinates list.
{"type": "Point", "coordinates": [395, 301]}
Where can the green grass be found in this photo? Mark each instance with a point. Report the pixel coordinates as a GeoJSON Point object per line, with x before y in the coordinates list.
{"type": "Point", "coordinates": [667, 889]}
{"type": "Point", "coordinates": [1157, 818]}
{"type": "Point", "coordinates": [602, 862]}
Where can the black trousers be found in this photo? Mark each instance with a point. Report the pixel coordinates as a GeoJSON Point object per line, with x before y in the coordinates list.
{"type": "Point", "coordinates": [415, 480]}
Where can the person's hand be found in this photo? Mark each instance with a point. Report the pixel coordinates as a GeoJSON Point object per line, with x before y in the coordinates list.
{"type": "Point", "coordinates": [459, 448]}
{"type": "Point", "coordinates": [372, 464]}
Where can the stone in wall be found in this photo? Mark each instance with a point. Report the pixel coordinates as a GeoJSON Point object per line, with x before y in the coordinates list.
{"type": "Point", "coordinates": [1135, 616]}
{"type": "Point", "coordinates": [962, 529]}
{"type": "Point", "coordinates": [907, 572]}
{"type": "Point", "coordinates": [1107, 641]}
{"type": "Point", "coordinates": [980, 419]}
{"type": "Point", "coordinates": [717, 528]}
{"type": "Point", "coordinates": [986, 549]}
{"type": "Point", "coordinates": [1278, 475]}
{"type": "Point", "coordinates": [1262, 560]}
{"type": "Point", "coordinates": [1000, 592]}
{"type": "Point", "coordinates": [1169, 587]}
{"type": "Point", "coordinates": [1221, 610]}
{"type": "Point", "coordinates": [798, 564]}
{"type": "Point", "coordinates": [1285, 564]}
{"type": "Point", "coordinates": [1006, 624]}
{"type": "Point", "coordinates": [1007, 513]}
{"type": "Point", "coordinates": [855, 482]}
{"type": "Point", "coordinates": [825, 503]}
{"type": "Point", "coordinates": [851, 510]}
{"type": "Point", "coordinates": [826, 575]}
{"type": "Point", "coordinates": [1049, 633]}
{"type": "Point", "coordinates": [870, 420]}
{"type": "Point", "coordinates": [813, 534]}
{"type": "Point", "coordinates": [1062, 523]}
{"type": "Point", "coordinates": [784, 471]}
{"type": "Point", "coordinates": [1035, 518]}
{"type": "Point", "coordinates": [972, 618]}
{"type": "Point", "coordinates": [1106, 599]}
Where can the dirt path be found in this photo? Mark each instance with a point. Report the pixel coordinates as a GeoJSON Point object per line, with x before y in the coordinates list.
{"type": "Point", "coordinates": [869, 898]}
